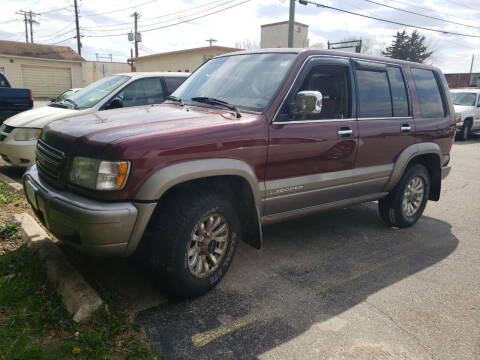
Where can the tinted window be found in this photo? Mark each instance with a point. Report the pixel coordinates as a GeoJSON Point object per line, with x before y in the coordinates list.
{"type": "Point", "coordinates": [3, 81]}
{"type": "Point", "coordinates": [429, 97]}
{"type": "Point", "coordinates": [142, 92]}
{"type": "Point", "coordinates": [95, 92]}
{"type": "Point", "coordinates": [399, 92]}
{"type": "Point", "coordinates": [173, 83]}
{"type": "Point", "coordinates": [373, 94]}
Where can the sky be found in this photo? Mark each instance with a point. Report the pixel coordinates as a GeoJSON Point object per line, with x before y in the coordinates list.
{"type": "Point", "coordinates": [237, 21]}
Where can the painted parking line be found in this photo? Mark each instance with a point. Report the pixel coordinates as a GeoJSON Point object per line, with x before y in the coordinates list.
{"type": "Point", "coordinates": [202, 339]}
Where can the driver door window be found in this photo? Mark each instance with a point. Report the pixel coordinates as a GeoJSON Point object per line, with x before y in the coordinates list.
{"type": "Point", "coordinates": [331, 81]}
{"type": "Point", "coordinates": [142, 92]}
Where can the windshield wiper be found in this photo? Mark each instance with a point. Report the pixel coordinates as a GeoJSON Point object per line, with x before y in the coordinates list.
{"type": "Point", "coordinates": [213, 101]}
{"type": "Point", "coordinates": [75, 106]}
{"type": "Point", "coordinates": [176, 99]}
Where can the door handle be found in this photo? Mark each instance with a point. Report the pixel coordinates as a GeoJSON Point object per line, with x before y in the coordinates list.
{"type": "Point", "coordinates": [405, 128]}
{"type": "Point", "coordinates": [345, 131]}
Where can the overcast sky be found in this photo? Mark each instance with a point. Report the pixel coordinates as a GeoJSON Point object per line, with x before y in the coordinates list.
{"type": "Point", "coordinates": [239, 23]}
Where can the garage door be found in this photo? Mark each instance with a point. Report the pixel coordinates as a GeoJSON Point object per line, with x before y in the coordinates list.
{"type": "Point", "coordinates": [45, 81]}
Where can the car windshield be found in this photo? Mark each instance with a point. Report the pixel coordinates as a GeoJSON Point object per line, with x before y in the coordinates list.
{"type": "Point", "coordinates": [463, 98]}
{"type": "Point", "coordinates": [93, 93]}
{"type": "Point", "coordinates": [64, 95]}
{"type": "Point", "coordinates": [247, 81]}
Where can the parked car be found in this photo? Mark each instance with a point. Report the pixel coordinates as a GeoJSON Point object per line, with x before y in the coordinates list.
{"type": "Point", "coordinates": [249, 139]}
{"type": "Point", "coordinates": [467, 111]}
{"type": "Point", "coordinates": [19, 134]}
{"type": "Point", "coordinates": [65, 95]}
{"type": "Point", "coordinates": [13, 101]}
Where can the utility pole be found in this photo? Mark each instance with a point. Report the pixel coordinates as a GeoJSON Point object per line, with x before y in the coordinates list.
{"type": "Point", "coordinates": [471, 68]}
{"type": "Point", "coordinates": [291, 21]}
{"type": "Point", "coordinates": [211, 41]}
{"type": "Point", "coordinates": [32, 21]}
{"type": "Point", "coordinates": [135, 34]}
{"type": "Point", "coordinates": [79, 43]}
{"type": "Point", "coordinates": [131, 60]}
{"type": "Point", "coordinates": [28, 17]}
{"type": "Point", "coordinates": [24, 13]}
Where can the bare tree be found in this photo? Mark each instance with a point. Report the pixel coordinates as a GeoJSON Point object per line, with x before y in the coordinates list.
{"type": "Point", "coordinates": [247, 44]}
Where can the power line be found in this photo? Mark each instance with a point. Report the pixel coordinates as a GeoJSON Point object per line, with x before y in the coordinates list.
{"type": "Point", "coordinates": [305, 2]}
{"type": "Point", "coordinates": [462, 5]}
{"type": "Point", "coordinates": [427, 16]}
{"type": "Point", "coordinates": [177, 23]}
{"type": "Point", "coordinates": [61, 41]}
{"type": "Point", "coordinates": [119, 10]}
{"type": "Point", "coordinates": [158, 17]}
{"type": "Point", "coordinates": [168, 20]}
{"type": "Point", "coordinates": [430, 10]}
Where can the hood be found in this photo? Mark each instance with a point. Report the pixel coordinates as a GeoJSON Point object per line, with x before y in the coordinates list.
{"type": "Point", "coordinates": [460, 108]}
{"type": "Point", "coordinates": [105, 127]}
{"type": "Point", "coordinates": [38, 118]}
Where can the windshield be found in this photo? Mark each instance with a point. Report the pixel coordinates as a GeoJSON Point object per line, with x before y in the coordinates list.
{"type": "Point", "coordinates": [95, 92]}
{"type": "Point", "coordinates": [64, 95]}
{"type": "Point", "coordinates": [247, 81]}
{"type": "Point", "coordinates": [463, 98]}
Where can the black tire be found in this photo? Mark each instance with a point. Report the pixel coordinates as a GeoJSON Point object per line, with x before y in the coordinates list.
{"type": "Point", "coordinates": [170, 235]}
{"type": "Point", "coordinates": [390, 208]}
{"type": "Point", "coordinates": [466, 132]}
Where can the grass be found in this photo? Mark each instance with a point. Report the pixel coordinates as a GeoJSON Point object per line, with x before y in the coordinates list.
{"type": "Point", "coordinates": [6, 196]}
{"type": "Point", "coordinates": [34, 323]}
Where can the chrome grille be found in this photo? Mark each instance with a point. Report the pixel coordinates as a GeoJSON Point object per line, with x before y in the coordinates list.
{"type": "Point", "coordinates": [50, 163]}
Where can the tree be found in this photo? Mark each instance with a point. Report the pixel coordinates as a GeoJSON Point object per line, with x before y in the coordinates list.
{"type": "Point", "coordinates": [247, 44]}
{"type": "Point", "coordinates": [408, 47]}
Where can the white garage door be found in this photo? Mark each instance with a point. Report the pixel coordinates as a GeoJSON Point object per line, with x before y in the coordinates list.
{"type": "Point", "coordinates": [45, 81]}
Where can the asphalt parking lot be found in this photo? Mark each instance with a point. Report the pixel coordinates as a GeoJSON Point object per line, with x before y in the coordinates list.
{"type": "Point", "coordinates": [337, 285]}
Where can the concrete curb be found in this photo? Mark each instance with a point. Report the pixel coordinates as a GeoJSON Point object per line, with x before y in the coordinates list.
{"type": "Point", "coordinates": [80, 299]}
{"type": "Point", "coordinates": [13, 184]}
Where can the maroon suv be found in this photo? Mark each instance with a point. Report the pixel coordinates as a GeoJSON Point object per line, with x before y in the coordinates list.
{"type": "Point", "coordinates": [249, 139]}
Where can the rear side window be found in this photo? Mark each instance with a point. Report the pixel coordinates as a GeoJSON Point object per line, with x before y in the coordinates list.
{"type": "Point", "coordinates": [429, 96]}
{"type": "Point", "coordinates": [373, 94]}
{"type": "Point", "coordinates": [399, 92]}
{"type": "Point", "coordinates": [173, 83]}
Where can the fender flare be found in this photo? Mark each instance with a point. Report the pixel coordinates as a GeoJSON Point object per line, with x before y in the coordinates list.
{"type": "Point", "coordinates": [165, 178]}
{"type": "Point", "coordinates": [406, 156]}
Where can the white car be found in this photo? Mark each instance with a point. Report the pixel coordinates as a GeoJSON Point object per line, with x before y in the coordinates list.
{"type": "Point", "coordinates": [467, 111]}
{"type": "Point", "coordinates": [19, 133]}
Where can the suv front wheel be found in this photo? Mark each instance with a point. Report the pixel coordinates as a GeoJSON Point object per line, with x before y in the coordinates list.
{"type": "Point", "coordinates": [405, 204]}
{"type": "Point", "coordinates": [192, 243]}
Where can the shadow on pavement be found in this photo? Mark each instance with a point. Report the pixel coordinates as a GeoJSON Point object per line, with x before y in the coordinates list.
{"type": "Point", "coordinates": [308, 271]}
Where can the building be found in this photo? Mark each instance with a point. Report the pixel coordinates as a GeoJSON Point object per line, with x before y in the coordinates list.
{"type": "Point", "coordinates": [275, 35]}
{"type": "Point", "coordinates": [459, 80]}
{"type": "Point", "coordinates": [181, 60]}
{"type": "Point", "coordinates": [45, 69]}
{"type": "Point", "coordinates": [95, 70]}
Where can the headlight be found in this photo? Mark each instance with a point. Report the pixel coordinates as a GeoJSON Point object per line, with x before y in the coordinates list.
{"type": "Point", "coordinates": [458, 117]}
{"type": "Point", "coordinates": [26, 134]}
{"type": "Point", "coordinates": [98, 174]}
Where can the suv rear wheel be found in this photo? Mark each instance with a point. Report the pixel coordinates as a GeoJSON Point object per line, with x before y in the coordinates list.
{"type": "Point", "coordinates": [405, 204]}
{"type": "Point", "coordinates": [192, 243]}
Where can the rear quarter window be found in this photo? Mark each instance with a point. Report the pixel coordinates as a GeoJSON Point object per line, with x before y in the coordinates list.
{"type": "Point", "coordinates": [430, 99]}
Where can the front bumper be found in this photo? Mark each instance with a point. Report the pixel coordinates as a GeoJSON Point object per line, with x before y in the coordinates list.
{"type": "Point", "coordinates": [94, 227]}
{"type": "Point", "coordinates": [18, 153]}
{"type": "Point", "coordinates": [445, 171]}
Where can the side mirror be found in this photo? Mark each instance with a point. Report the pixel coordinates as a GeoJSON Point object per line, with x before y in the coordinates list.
{"type": "Point", "coordinates": [116, 103]}
{"type": "Point", "coordinates": [54, 100]}
{"type": "Point", "coordinates": [308, 102]}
